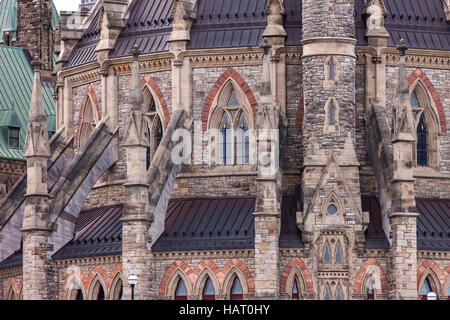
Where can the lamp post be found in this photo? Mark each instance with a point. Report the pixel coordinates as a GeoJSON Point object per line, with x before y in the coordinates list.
{"type": "Point", "coordinates": [431, 296]}
{"type": "Point", "coordinates": [132, 281]}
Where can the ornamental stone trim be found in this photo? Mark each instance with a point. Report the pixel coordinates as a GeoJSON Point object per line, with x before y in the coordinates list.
{"type": "Point", "coordinates": [362, 273]}
{"type": "Point", "coordinates": [304, 271]}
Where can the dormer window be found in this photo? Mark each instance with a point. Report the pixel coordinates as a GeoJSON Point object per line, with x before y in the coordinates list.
{"type": "Point", "coordinates": [13, 137]}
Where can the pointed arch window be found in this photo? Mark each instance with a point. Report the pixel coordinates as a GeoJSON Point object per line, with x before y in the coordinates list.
{"type": "Point", "coordinates": [327, 295]}
{"type": "Point", "coordinates": [155, 127]}
{"type": "Point", "coordinates": [79, 295]}
{"type": "Point", "coordinates": [208, 290]}
{"type": "Point", "coordinates": [326, 253]}
{"type": "Point", "coordinates": [180, 291]}
{"type": "Point", "coordinates": [338, 253]}
{"type": "Point", "coordinates": [448, 293]}
{"type": "Point", "coordinates": [422, 143]}
{"type": "Point", "coordinates": [236, 292]}
{"type": "Point", "coordinates": [232, 120]}
{"type": "Point", "coordinates": [295, 291]}
{"type": "Point", "coordinates": [331, 69]}
{"type": "Point", "coordinates": [331, 112]}
{"type": "Point", "coordinates": [339, 292]}
{"type": "Point", "coordinates": [98, 292]}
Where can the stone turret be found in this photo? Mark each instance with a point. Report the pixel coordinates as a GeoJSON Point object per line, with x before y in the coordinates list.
{"type": "Point", "coordinates": [136, 220]}
{"type": "Point", "coordinates": [268, 202]}
{"type": "Point", "coordinates": [35, 31]}
{"type": "Point", "coordinates": [36, 223]}
{"type": "Point", "coordinates": [332, 220]}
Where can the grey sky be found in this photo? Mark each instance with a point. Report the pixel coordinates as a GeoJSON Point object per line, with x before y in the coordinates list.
{"type": "Point", "coordinates": [66, 5]}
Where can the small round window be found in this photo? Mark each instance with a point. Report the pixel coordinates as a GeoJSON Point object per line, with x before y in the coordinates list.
{"type": "Point", "coordinates": [332, 210]}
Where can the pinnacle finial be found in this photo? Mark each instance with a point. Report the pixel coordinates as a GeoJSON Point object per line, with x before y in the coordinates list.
{"type": "Point", "coordinates": [135, 52]}
{"type": "Point", "coordinates": [36, 63]}
{"type": "Point", "coordinates": [402, 47]}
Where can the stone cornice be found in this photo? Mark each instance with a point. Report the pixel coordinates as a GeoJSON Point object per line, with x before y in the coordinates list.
{"type": "Point", "coordinates": [10, 273]}
{"type": "Point", "coordinates": [91, 261]}
{"type": "Point", "coordinates": [435, 255]}
{"type": "Point", "coordinates": [228, 57]}
{"type": "Point", "coordinates": [201, 254]}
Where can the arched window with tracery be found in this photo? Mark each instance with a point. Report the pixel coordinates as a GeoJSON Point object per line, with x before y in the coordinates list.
{"type": "Point", "coordinates": [180, 291]}
{"type": "Point", "coordinates": [232, 119]}
{"type": "Point", "coordinates": [326, 253]}
{"type": "Point", "coordinates": [155, 124]}
{"type": "Point", "coordinates": [422, 143]}
{"type": "Point", "coordinates": [338, 253]}
{"type": "Point", "coordinates": [327, 295]}
{"type": "Point", "coordinates": [236, 292]}
{"type": "Point", "coordinates": [208, 290]}
{"type": "Point", "coordinates": [427, 126]}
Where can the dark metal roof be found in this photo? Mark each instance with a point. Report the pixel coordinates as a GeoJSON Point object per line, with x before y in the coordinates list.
{"type": "Point", "coordinates": [290, 235]}
{"type": "Point", "coordinates": [421, 23]}
{"type": "Point", "coordinates": [241, 23]}
{"type": "Point", "coordinates": [13, 261]}
{"type": "Point", "coordinates": [433, 225]}
{"type": "Point", "coordinates": [84, 51]}
{"type": "Point", "coordinates": [98, 232]}
{"type": "Point", "coordinates": [233, 23]}
{"type": "Point", "coordinates": [375, 236]}
{"type": "Point", "coordinates": [208, 224]}
{"type": "Point", "coordinates": [148, 26]}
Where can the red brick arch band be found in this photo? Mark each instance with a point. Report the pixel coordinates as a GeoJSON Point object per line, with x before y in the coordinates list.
{"type": "Point", "coordinates": [230, 73]}
{"type": "Point", "coordinates": [362, 273]}
{"type": "Point", "coordinates": [296, 262]}
{"type": "Point", "coordinates": [418, 74]}
{"type": "Point", "coordinates": [193, 275]}
{"type": "Point", "coordinates": [152, 84]}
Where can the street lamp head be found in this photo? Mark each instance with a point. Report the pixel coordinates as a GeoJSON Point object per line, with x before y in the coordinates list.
{"type": "Point", "coordinates": [132, 280]}
{"type": "Point", "coordinates": [431, 296]}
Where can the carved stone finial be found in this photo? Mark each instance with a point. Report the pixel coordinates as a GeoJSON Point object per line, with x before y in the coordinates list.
{"type": "Point", "coordinates": [36, 63]}
{"type": "Point", "coordinates": [402, 48]}
{"type": "Point", "coordinates": [266, 46]}
{"type": "Point", "coordinates": [136, 52]}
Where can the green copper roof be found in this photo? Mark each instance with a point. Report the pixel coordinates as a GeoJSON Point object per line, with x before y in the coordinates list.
{"type": "Point", "coordinates": [16, 83]}
{"type": "Point", "coordinates": [8, 17]}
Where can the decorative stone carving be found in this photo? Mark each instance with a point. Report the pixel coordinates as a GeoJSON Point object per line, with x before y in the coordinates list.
{"type": "Point", "coordinates": [376, 12]}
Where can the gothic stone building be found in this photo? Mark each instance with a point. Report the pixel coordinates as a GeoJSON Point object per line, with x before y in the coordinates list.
{"type": "Point", "coordinates": [350, 200]}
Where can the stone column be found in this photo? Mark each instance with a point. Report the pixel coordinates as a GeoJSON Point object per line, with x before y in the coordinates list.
{"type": "Point", "coordinates": [37, 264]}
{"type": "Point", "coordinates": [403, 218]}
{"type": "Point", "coordinates": [268, 202]}
{"type": "Point", "coordinates": [136, 220]}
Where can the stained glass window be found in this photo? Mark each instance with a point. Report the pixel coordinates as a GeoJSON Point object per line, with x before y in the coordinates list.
{"type": "Point", "coordinates": [243, 141]}
{"type": "Point", "coordinates": [326, 253]}
{"type": "Point", "coordinates": [181, 292]}
{"type": "Point", "coordinates": [339, 293]}
{"type": "Point", "coordinates": [331, 68]}
{"type": "Point", "coordinates": [233, 102]}
{"type": "Point", "coordinates": [236, 290]}
{"type": "Point", "coordinates": [226, 140]}
{"type": "Point", "coordinates": [327, 293]}
{"type": "Point", "coordinates": [208, 290]}
{"type": "Point", "coordinates": [331, 113]}
{"type": "Point", "coordinates": [338, 253]}
{"type": "Point", "coordinates": [422, 143]}
{"type": "Point", "coordinates": [414, 101]}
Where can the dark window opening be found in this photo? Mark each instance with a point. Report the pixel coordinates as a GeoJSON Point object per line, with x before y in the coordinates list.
{"type": "Point", "coordinates": [295, 290]}
{"type": "Point", "coordinates": [14, 137]}
{"type": "Point", "coordinates": [422, 143]}
{"type": "Point", "coordinates": [79, 295]}
{"type": "Point", "coordinates": [236, 290]}
{"type": "Point", "coordinates": [181, 292]}
{"type": "Point", "coordinates": [208, 290]}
